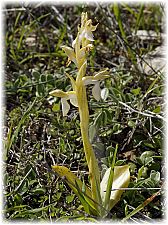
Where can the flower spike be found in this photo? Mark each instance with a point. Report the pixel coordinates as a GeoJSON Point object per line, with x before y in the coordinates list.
{"type": "Point", "coordinates": [78, 97]}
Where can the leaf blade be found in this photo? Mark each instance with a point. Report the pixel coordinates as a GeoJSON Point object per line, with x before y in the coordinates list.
{"type": "Point", "coordinates": [120, 180]}
{"type": "Point", "coordinates": [77, 186]}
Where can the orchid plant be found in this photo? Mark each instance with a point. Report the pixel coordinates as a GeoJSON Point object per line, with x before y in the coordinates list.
{"type": "Point", "coordinates": [102, 195]}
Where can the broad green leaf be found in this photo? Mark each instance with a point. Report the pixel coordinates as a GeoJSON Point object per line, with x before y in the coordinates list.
{"type": "Point", "coordinates": [136, 91]}
{"type": "Point", "coordinates": [56, 107]}
{"type": "Point", "coordinates": [43, 77]}
{"type": "Point", "coordinates": [121, 179]}
{"type": "Point", "coordinates": [98, 120]}
{"type": "Point", "coordinates": [70, 198]}
{"type": "Point", "coordinates": [142, 172]}
{"type": "Point", "coordinates": [157, 109]}
{"type": "Point", "coordinates": [155, 176]}
{"type": "Point", "coordinates": [39, 191]}
{"type": "Point", "coordinates": [92, 132]}
{"type": "Point", "coordinates": [50, 79]}
{"type": "Point", "coordinates": [146, 157]}
{"type": "Point", "coordinates": [71, 178]}
{"type": "Point", "coordinates": [40, 89]}
{"type": "Point", "coordinates": [104, 93]}
{"type": "Point", "coordinates": [76, 185]}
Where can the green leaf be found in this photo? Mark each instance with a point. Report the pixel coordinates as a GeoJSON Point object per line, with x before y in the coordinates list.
{"type": "Point", "coordinates": [121, 179]}
{"type": "Point", "coordinates": [146, 157]}
{"type": "Point", "coordinates": [157, 109]}
{"type": "Point", "coordinates": [104, 118]}
{"type": "Point", "coordinates": [119, 20]}
{"type": "Point", "coordinates": [56, 107]}
{"type": "Point", "coordinates": [139, 18]}
{"type": "Point", "coordinates": [110, 180]}
{"type": "Point", "coordinates": [58, 195]}
{"type": "Point", "coordinates": [150, 145]}
{"type": "Point", "coordinates": [23, 78]}
{"type": "Point", "coordinates": [50, 79]}
{"type": "Point", "coordinates": [69, 198]}
{"type": "Point", "coordinates": [131, 124]}
{"type": "Point", "coordinates": [43, 78]}
{"type": "Point", "coordinates": [120, 162]}
{"type": "Point", "coordinates": [87, 204]}
{"type": "Point", "coordinates": [18, 199]}
{"type": "Point", "coordinates": [36, 75]}
{"type": "Point", "coordinates": [40, 90]}
{"type": "Point", "coordinates": [98, 120]}
{"type": "Point", "coordinates": [31, 172]}
{"type": "Point", "coordinates": [76, 185]}
{"type": "Point", "coordinates": [15, 135]}
{"type": "Point", "coordinates": [142, 172]}
{"type": "Point", "coordinates": [136, 91]}
{"type": "Point", "coordinates": [83, 187]}
{"type": "Point", "coordinates": [92, 132]}
{"type": "Point", "coordinates": [39, 191]}
{"type": "Point", "coordinates": [132, 167]}
{"type": "Point", "coordinates": [104, 93]}
{"type": "Point", "coordinates": [147, 160]}
{"type": "Point", "coordinates": [155, 176]}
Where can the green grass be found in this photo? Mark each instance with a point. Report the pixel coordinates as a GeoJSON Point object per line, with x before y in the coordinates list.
{"type": "Point", "coordinates": [131, 113]}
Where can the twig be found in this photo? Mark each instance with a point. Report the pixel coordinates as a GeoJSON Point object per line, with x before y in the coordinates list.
{"type": "Point", "coordinates": [13, 10]}
{"type": "Point", "coordinates": [141, 206]}
{"type": "Point", "coordinates": [142, 113]}
{"type": "Point", "coordinates": [139, 189]}
{"type": "Point", "coordinates": [23, 180]}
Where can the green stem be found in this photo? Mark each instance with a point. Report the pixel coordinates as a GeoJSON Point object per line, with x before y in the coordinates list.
{"type": "Point", "coordinates": [89, 153]}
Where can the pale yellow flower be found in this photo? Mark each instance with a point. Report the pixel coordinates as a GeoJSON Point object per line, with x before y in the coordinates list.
{"type": "Point", "coordinates": [85, 31]}
{"type": "Point", "coordinates": [70, 53]}
{"type": "Point", "coordinates": [65, 96]}
{"type": "Point", "coordinates": [96, 91]}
